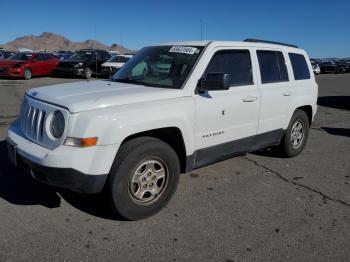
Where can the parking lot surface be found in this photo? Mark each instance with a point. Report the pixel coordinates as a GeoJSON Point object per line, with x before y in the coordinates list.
{"type": "Point", "coordinates": [257, 207]}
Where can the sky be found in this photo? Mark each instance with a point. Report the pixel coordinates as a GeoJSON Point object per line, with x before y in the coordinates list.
{"type": "Point", "coordinates": [320, 27]}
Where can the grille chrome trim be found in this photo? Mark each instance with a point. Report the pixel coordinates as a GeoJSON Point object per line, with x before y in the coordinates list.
{"type": "Point", "coordinates": [32, 122]}
{"type": "Point", "coordinates": [35, 116]}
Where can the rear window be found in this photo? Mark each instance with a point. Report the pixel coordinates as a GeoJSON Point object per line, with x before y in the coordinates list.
{"type": "Point", "coordinates": [299, 65]}
{"type": "Point", "coordinates": [272, 67]}
{"type": "Point", "coordinates": [236, 63]}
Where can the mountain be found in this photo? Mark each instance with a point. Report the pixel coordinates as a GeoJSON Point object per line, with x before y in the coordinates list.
{"type": "Point", "coordinates": [53, 42]}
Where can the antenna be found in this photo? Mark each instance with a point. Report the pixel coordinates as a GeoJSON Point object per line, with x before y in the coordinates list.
{"type": "Point", "coordinates": [201, 22]}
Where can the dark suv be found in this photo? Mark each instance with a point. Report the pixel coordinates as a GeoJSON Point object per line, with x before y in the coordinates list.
{"type": "Point", "coordinates": [84, 63]}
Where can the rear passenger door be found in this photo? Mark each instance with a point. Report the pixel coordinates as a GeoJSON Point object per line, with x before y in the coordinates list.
{"type": "Point", "coordinates": [225, 118]}
{"type": "Point", "coordinates": [275, 90]}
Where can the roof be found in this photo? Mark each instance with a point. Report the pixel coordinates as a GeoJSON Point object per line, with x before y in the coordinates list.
{"type": "Point", "coordinates": [229, 43]}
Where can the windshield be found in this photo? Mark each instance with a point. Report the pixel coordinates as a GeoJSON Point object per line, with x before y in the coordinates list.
{"type": "Point", "coordinates": [20, 56]}
{"type": "Point", "coordinates": [119, 59]}
{"type": "Point", "coordinates": [159, 66]}
{"type": "Point", "coordinates": [81, 56]}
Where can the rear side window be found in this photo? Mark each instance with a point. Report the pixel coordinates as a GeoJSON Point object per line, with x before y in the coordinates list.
{"type": "Point", "coordinates": [299, 65]}
{"type": "Point", "coordinates": [272, 67]}
{"type": "Point", "coordinates": [237, 63]}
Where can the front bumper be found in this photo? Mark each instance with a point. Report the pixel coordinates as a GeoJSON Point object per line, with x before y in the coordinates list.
{"type": "Point", "coordinates": [69, 71]}
{"type": "Point", "coordinates": [109, 70]}
{"type": "Point", "coordinates": [11, 72]}
{"type": "Point", "coordinates": [83, 170]}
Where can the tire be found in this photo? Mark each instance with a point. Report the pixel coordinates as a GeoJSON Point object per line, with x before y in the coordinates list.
{"type": "Point", "coordinates": [293, 141]}
{"type": "Point", "coordinates": [87, 73]}
{"type": "Point", "coordinates": [143, 165]}
{"type": "Point", "coordinates": [27, 74]}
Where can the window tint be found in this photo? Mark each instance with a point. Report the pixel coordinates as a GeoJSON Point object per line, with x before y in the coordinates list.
{"type": "Point", "coordinates": [272, 67]}
{"type": "Point", "coordinates": [44, 57]}
{"type": "Point", "coordinates": [300, 68]}
{"type": "Point", "coordinates": [236, 63]}
{"type": "Point", "coordinates": [38, 58]}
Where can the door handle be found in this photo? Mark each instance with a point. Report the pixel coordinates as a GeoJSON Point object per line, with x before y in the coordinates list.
{"type": "Point", "coordinates": [250, 99]}
{"type": "Point", "coordinates": [287, 93]}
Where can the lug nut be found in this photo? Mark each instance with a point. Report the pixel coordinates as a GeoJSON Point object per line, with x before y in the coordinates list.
{"type": "Point", "coordinates": [154, 177]}
{"type": "Point", "coordinates": [149, 173]}
{"type": "Point", "coordinates": [145, 186]}
{"type": "Point", "coordinates": [151, 184]}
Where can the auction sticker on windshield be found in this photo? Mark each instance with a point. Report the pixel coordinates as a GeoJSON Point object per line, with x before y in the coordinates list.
{"type": "Point", "coordinates": [183, 50]}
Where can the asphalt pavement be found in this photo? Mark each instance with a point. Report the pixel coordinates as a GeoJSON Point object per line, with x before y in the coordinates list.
{"type": "Point", "coordinates": [257, 207]}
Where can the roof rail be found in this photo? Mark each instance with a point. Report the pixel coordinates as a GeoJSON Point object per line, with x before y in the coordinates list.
{"type": "Point", "coordinates": [268, 42]}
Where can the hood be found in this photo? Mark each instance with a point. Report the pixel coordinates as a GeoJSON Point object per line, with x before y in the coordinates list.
{"type": "Point", "coordinates": [89, 95]}
{"type": "Point", "coordinates": [72, 61]}
{"type": "Point", "coordinates": [113, 64]}
{"type": "Point", "coordinates": [11, 62]}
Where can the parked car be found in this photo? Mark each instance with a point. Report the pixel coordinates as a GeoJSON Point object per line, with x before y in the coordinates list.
{"type": "Point", "coordinates": [114, 63]}
{"type": "Point", "coordinates": [84, 63]}
{"type": "Point", "coordinates": [26, 65]}
{"type": "Point", "coordinates": [62, 55]}
{"type": "Point", "coordinates": [343, 66]}
{"type": "Point", "coordinates": [316, 68]}
{"type": "Point", "coordinates": [135, 134]}
{"type": "Point", "coordinates": [329, 67]}
{"type": "Point", "coordinates": [8, 54]}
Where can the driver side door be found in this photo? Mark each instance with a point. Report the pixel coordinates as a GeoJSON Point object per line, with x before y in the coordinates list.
{"type": "Point", "coordinates": [227, 120]}
{"type": "Point", "coordinates": [36, 64]}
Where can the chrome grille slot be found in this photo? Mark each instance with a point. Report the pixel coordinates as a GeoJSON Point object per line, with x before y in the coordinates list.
{"type": "Point", "coordinates": [32, 122]}
{"type": "Point", "coordinates": [35, 117]}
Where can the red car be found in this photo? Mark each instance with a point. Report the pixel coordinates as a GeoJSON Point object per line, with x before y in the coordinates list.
{"type": "Point", "coordinates": [26, 65]}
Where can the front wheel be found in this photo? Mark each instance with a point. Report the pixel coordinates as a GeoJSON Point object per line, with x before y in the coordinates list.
{"type": "Point", "coordinates": [27, 74]}
{"type": "Point", "coordinates": [87, 73]}
{"type": "Point", "coordinates": [295, 137]}
{"type": "Point", "coordinates": [143, 178]}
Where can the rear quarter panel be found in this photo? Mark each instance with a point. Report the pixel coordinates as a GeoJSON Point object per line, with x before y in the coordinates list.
{"type": "Point", "coordinates": [305, 92]}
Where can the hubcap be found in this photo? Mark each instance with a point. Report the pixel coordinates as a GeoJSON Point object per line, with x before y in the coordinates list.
{"type": "Point", "coordinates": [27, 73]}
{"type": "Point", "coordinates": [297, 134]}
{"type": "Point", "coordinates": [148, 181]}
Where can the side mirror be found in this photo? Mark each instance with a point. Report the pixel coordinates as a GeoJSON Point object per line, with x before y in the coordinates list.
{"type": "Point", "coordinates": [215, 81]}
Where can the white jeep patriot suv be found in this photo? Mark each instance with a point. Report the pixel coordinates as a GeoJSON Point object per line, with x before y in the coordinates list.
{"type": "Point", "coordinates": [134, 134]}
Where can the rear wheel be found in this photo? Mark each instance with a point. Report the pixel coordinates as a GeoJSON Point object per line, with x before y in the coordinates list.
{"type": "Point", "coordinates": [27, 74]}
{"type": "Point", "coordinates": [143, 178]}
{"type": "Point", "coordinates": [295, 137]}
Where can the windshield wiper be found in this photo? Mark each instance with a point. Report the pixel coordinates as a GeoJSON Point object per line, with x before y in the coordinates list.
{"type": "Point", "coordinates": [131, 81]}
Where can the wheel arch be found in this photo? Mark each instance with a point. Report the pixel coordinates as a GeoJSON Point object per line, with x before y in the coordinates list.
{"type": "Point", "coordinates": [308, 110]}
{"type": "Point", "coordinates": [170, 135]}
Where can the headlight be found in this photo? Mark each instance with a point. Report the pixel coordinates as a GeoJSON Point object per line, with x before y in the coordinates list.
{"type": "Point", "coordinates": [78, 65]}
{"type": "Point", "coordinates": [57, 124]}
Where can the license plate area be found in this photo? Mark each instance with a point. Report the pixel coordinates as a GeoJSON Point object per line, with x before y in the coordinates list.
{"type": "Point", "coordinates": [12, 152]}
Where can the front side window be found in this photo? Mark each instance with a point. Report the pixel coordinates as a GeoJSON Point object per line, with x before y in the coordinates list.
{"type": "Point", "coordinates": [22, 56]}
{"type": "Point", "coordinates": [272, 67]}
{"type": "Point", "coordinates": [237, 63]}
{"type": "Point", "coordinates": [119, 59]}
{"type": "Point", "coordinates": [299, 65]}
{"type": "Point", "coordinates": [81, 56]}
{"type": "Point", "coordinates": [159, 66]}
